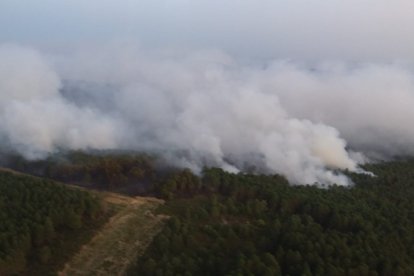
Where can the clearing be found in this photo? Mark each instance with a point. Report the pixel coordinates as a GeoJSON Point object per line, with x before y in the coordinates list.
{"type": "Point", "coordinates": [121, 240]}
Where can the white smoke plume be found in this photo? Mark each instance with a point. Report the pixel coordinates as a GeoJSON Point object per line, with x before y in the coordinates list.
{"type": "Point", "coordinates": [35, 118]}
{"type": "Point", "coordinates": [205, 108]}
{"type": "Point", "coordinates": [372, 105]}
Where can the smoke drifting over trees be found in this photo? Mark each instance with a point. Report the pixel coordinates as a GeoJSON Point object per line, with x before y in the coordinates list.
{"type": "Point", "coordinates": [206, 108]}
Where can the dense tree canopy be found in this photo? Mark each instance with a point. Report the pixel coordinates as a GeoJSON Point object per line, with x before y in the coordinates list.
{"type": "Point", "coordinates": [240, 224]}
{"type": "Point", "coordinates": [223, 223]}
{"type": "Point", "coordinates": [32, 212]}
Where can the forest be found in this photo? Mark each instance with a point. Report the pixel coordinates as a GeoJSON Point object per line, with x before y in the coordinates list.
{"type": "Point", "coordinates": [222, 223]}
{"type": "Point", "coordinates": [39, 219]}
{"type": "Point", "coordinates": [242, 224]}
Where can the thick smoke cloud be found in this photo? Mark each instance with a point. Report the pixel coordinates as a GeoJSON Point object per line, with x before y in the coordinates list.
{"type": "Point", "coordinates": [371, 105]}
{"type": "Point", "coordinates": [35, 118]}
{"type": "Point", "coordinates": [205, 108]}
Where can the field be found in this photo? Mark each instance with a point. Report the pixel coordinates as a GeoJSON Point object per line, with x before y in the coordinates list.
{"type": "Point", "coordinates": [124, 237]}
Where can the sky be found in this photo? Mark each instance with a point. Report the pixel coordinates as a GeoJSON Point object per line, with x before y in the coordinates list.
{"type": "Point", "coordinates": [353, 30]}
{"type": "Point", "coordinates": [304, 88]}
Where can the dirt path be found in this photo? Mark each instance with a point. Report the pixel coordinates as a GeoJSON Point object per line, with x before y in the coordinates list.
{"type": "Point", "coordinates": [122, 239]}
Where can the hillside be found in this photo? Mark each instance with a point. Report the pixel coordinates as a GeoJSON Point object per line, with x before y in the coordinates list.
{"type": "Point", "coordinates": [37, 218]}
{"type": "Point", "coordinates": [47, 226]}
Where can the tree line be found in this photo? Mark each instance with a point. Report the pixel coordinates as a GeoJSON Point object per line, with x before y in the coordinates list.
{"type": "Point", "coordinates": [108, 171]}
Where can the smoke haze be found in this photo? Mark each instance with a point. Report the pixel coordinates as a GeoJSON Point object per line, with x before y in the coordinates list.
{"type": "Point", "coordinates": [206, 108]}
{"type": "Point", "coordinates": [352, 30]}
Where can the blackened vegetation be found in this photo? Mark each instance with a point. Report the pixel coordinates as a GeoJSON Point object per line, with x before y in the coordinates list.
{"type": "Point", "coordinates": [37, 217]}
{"type": "Point", "coordinates": [238, 224]}
{"type": "Point", "coordinates": [126, 173]}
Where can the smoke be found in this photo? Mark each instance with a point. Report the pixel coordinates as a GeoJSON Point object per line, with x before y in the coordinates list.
{"type": "Point", "coordinates": [206, 109]}
{"type": "Point", "coordinates": [35, 118]}
{"type": "Point", "coordinates": [370, 104]}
